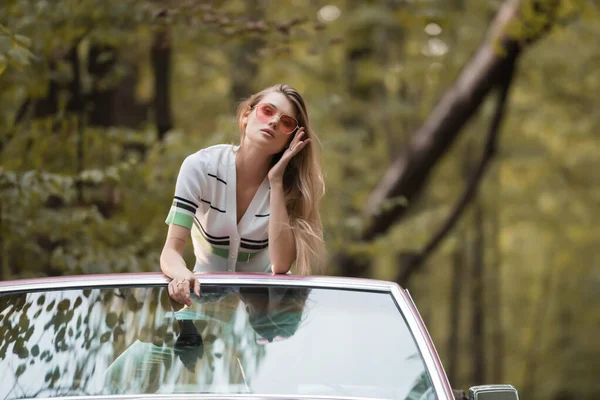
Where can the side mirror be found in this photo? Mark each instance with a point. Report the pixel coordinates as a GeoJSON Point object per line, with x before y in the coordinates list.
{"type": "Point", "coordinates": [493, 392]}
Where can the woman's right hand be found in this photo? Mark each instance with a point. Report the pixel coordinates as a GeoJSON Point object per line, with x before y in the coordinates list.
{"type": "Point", "coordinates": [179, 287]}
{"type": "Point", "coordinates": [173, 265]}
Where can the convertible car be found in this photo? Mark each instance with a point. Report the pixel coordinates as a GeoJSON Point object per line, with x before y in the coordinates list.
{"type": "Point", "coordinates": [250, 336]}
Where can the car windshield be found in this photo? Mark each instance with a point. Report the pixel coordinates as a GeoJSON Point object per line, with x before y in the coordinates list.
{"type": "Point", "coordinates": [271, 340]}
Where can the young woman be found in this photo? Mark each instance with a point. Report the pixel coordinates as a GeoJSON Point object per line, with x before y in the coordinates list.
{"type": "Point", "coordinates": [252, 207]}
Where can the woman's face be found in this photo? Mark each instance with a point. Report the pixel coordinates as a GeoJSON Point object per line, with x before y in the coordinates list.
{"type": "Point", "coordinates": [268, 124]}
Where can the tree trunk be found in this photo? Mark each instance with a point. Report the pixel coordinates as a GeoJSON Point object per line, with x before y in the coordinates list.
{"type": "Point", "coordinates": [245, 66]}
{"type": "Point", "coordinates": [76, 105]}
{"type": "Point", "coordinates": [359, 51]}
{"type": "Point", "coordinates": [495, 296]}
{"type": "Point", "coordinates": [477, 300]}
{"type": "Point", "coordinates": [101, 60]}
{"type": "Point", "coordinates": [370, 46]}
{"type": "Point", "coordinates": [536, 325]}
{"type": "Point", "coordinates": [390, 50]}
{"type": "Point", "coordinates": [458, 262]}
{"type": "Point", "coordinates": [113, 103]}
{"type": "Point", "coordinates": [161, 63]}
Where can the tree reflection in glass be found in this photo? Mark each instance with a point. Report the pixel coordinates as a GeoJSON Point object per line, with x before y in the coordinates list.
{"type": "Point", "coordinates": [135, 340]}
{"type": "Point", "coordinates": [233, 339]}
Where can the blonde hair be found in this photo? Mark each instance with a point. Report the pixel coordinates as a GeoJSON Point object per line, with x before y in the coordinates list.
{"type": "Point", "coordinates": [303, 184]}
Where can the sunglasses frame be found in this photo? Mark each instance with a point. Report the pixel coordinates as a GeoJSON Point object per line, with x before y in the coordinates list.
{"type": "Point", "coordinates": [276, 113]}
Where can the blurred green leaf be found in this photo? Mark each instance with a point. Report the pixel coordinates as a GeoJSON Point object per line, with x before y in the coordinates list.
{"type": "Point", "coordinates": [19, 56]}
{"type": "Point", "coordinates": [22, 40]}
{"type": "Point", "coordinates": [3, 63]}
{"type": "Point", "coordinates": [20, 350]}
{"type": "Point", "coordinates": [105, 337]}
{"type": "Point", "coordinates": [111, 320]}
{"type": "Point", "coordinates": [64, 305]}
{"type": "Point", "coordinates": [20, 369]}
{"type": "Point", "coordinates": [5, 44]}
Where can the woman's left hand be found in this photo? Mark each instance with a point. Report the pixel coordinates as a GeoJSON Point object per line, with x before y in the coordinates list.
{"type": "Point", "coordinates": [276, 172]}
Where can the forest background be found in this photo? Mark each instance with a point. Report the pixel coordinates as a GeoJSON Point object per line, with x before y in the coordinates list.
{"type": "Point", "coordinates": [460, 148]}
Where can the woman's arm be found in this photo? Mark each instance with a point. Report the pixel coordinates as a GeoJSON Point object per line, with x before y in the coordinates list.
{"type": "Point", "coordinates": [173, 265]}
{"type": "Point", "coordinates": [282, 247]}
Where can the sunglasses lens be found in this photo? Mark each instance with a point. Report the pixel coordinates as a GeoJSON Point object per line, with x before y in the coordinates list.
{"type": "Point", "coordinates": [277, 338]}
{"type": "Point", "coordinates": [265, 112]}
{"type": "Point", "coordinates": [288, 124]}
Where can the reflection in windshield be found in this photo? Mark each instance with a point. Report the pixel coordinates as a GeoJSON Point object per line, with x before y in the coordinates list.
{"type": "Point", "coordinates": [218, 337]}
{"type": "Point", "coordinates": [248, 339]}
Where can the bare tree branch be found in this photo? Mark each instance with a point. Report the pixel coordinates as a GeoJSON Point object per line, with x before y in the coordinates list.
{"type": "Point", "coordinates": [473, 184]}
{"type": "Point", "coordinates": [409, 172]}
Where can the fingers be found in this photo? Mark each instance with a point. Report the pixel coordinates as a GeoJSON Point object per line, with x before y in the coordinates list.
{"type": "Point", "coordinates": [298, 136]}
{"type": "Point", "coordinates": [185, 292]}
{"type": "Point", "coordinates": [197, 287]}
{"type": "Point", "coordinates": [296, 148]}
{"type": "Point", "coordinates": [171, 290]}
{"type": "Point", "coordinates": [297, 143]}
{"type": "Point", "coordinates": [180, 291]}
{"type": "Point", "coordinates": [174, 291]}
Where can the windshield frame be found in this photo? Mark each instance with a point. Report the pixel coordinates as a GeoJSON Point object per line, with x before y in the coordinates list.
{"type": "Point", "coordinates": [402, 299]}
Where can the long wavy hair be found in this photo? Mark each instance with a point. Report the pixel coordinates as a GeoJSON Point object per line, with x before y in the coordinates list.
{"type": "Point", "coordinates": [303, 184]}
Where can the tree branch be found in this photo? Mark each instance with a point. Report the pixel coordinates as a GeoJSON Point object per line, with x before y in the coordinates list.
{"type": "Point", "coordinates": [409, 172]}
{"type": "Point", "coordinates": [474, 182]}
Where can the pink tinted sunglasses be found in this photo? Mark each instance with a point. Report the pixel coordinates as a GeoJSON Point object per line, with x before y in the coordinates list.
{"type": "Point", "coordinates": [265, 113]}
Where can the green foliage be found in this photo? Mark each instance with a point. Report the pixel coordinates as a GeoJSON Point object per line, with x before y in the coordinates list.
{"type": "Point", "coordinates": [14, 50]}
{"type": "Point", "coordinates": [76, 199]}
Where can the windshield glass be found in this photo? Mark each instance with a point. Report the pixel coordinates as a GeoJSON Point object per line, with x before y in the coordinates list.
{"type": "Point", "coordinates": [248, 339]}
